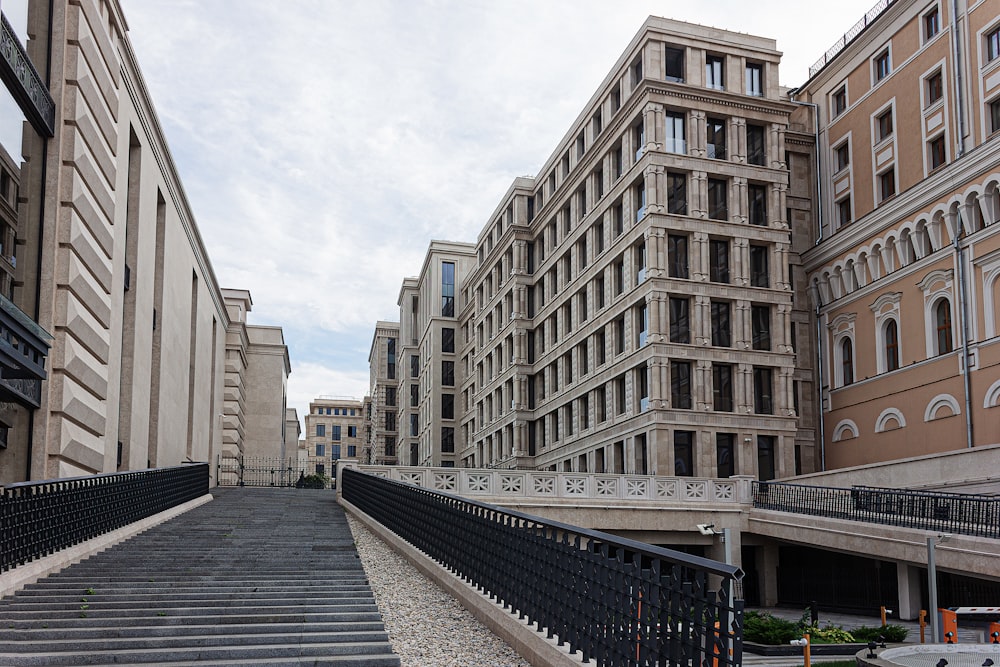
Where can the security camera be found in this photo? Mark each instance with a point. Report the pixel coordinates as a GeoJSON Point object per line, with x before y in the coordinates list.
{"type": "Point", "coordinates": [706, 528]}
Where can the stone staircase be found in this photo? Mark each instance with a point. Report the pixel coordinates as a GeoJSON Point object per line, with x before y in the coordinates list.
{"type": "Point", "coordinates": [257, 576]}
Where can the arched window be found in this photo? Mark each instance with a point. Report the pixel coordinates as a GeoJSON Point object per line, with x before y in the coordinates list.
{"type": "Point", "coordinates": [847, 360]}
{"type": "Point", "coordinates": [891, 346]}
{"type": "Point", "coordinates": [942, 314]}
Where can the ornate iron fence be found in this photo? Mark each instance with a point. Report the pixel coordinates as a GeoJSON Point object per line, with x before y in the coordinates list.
{"type": "Point", "coordinates": [40, 518]}
{"type": "Point", "coordinates": [964, 514]}
{"type": "Point", "coordinates": [265, 470]}
{"type": "Point", "coordinates": [617, 601]}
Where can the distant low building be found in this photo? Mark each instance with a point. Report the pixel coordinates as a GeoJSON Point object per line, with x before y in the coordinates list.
{"type": "Point", "coordinates": [334, 430]}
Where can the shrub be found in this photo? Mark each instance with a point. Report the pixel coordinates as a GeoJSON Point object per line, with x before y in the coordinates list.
{"type": "Point", "coordinates": [314, 481]}
{"type": "Point", "coordinates": [891, 633]}
{"type": "Point", "coordinates": [831, 634]}
{"type": "Point", "coordinates": [763, 628]}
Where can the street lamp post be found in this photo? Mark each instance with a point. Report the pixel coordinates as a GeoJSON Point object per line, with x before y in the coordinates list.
{"type": "Point", "coordinates": [932, 588]}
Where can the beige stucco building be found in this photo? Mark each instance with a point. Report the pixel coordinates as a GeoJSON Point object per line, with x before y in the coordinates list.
{"type": "Point", "coordinates": [382, 402]}
{"type": "Point", "coordinates": [105, 264]}
{"type": "Point", "coordinates": [334, 430]}
{"type": "Point", "coordinates": [906, 272]}
{"type": "Point", "coordinates": [430, 408]}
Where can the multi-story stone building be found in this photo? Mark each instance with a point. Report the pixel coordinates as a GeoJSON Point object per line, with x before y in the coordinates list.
{"type": "Point", "coordinates": [429, 406]}
{"type": "Point", "coordinates": [631, 309]}
{"type": "Point", "coordinates": [334, 430]}
{"type": "Point", "coordinates": [382, 402]}
{"type": "Point", "coordinates": [906, 271]}
{"type": "Point", "coordinates": [105, 285]}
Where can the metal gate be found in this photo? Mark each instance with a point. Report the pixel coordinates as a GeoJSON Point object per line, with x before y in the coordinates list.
{"type": "Point", "coordinates": [263, 471]}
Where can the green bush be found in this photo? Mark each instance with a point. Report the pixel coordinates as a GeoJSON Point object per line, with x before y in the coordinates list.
{"type": "Point", "coordinates": [314, 481]}
{"type": "Point", "coordinates": [763, 628]}
{"type": "Point", "coordinates": [869, 633]}
{"type": "Point", "coordinates": [831, 634]}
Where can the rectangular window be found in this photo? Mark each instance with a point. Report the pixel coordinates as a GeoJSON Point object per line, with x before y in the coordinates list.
{"type": "Point", "coordinates": [882, 65]}
{"type": "Point", "coordinates": [352, 431]}
{"type": "Point", "coordinates": [680, 323]}
{"type": "Point", "coordinates": [677, 255]}
{"type": "Point", "coordinates": [447, 406]}
{"type": "Point", "coordinates": [886, 184]}
{"type": "Point", "coordinates": [840, 101]}
{"type": "Point", "coordinates": [414, 395]}
{"type": "Point", "coordinates": [756, 145]}
{"type": "Point", "coordinates": [601, 347]}
{"type": "Point", "coordinates": [994, 116]}
{"type": "Point", "coordinates": [684, 453]}
{"type": "Point", "coordinates": [725, 455]}
{"type": "Point", "coordinates": [320, 449]}
{"type": "Point", "coordinates": [842, 156]}
{"type": "Point", "coordinates": [721, 329]}
{"type": "Point", "coordinates": [620, 395]}
{"type": "Point", "coordinates": [932, 23]}
{"type": "Point", "coordinates": [639, 199]}
{"type": "Point", "coordinates": [883, 125]}
{"type": "Point", "coordinates": [640, 263]}
{"type": "Point", "coordinates": [599, 291]}
{"type": "Point", "coordinates": [390, 421]}
{"type": "Point", "coordinates": [844, 211]}
{"type": "Point", "coordinates": [620, 335]}
{"type": "Point", "coordinates": [390, 349]}
{"type": "Point", "coordinates": [715, 142]}
{"type": "Point", "coordinates": [674, 140]}
{"type": "Point", "coordinates": [447, 339]}
{"type": "Point", "coordinates": [583, 356]}
{"type": "Point", "coordinates": [680, 385]}
{"type": "Point", "coordinates": [765, 457]}
{"type": "Point", "coordinates": [677, 203]}
{"type": "Point", "coordinates": [762, 391]}
{"type": "Point", "coordinates": [639, 139]}
{"type": "Point", "coordinates": [715, 72]}
{"type": "Point", "coordinates": [757, 204]}
{"type": "Point", "coordinates": [718, 198]}
{"type": "Point", "coordinates": [597, 123]}
{"type": "Point", "coordinates": [414, 365]}
{"type": "Point", "coordinates": [755, 79]}
{"type": "Point", "coordinates": [618, 218]}
{"type": "Point", "coordinates": [718, 258]}
{"type": "Point", "coordinates": [414, 425]}
{"type": "Point", "coordinates": [636, 72]}
{"type": "Point", "coordinates": [390, 396]}
{"type": "Point", "coordinates": [936, 152]}
{"type": "Point", "coordinates": [447, 440]}
{"type": "Point", "coordinates": [993, 45]}
{"type": "Point", "coordinates": [447, 289]}
{"type": "Point", "coordinates": [760, 325]}
{"type": "Point", "coordinates": [320, 430]}
{"type": "Point", "coordinates": [602, 404]}
{"type": "Point", "coordinates": [642, 387]}
{"type": "Point", "coordinates": [722, 387]}
{"type": "Point", "coordinates": [617, 161]}
{"type": "Point", "coordinates": [581, 146]}
{"type": "Point", "coordinates": [584, 411]}
{"type": "Point", "coordinates": [336, 433]}
{"type": "Point", "coordinates": [448, 373]}
{"type": "Point", "coordinates": [759, 270]}
{"type": "Point", "coordinates": [674, 63]}
{"type": "Point", "coordinates": [935, 88]}
{"type": "Point", "coordinates": [641, 325]}
{"type": "Point", "coordinates": [619, 270]}
{"type": "Point", "coordinates": [616, 98]}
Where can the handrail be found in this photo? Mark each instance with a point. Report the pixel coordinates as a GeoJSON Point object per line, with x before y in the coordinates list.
{"type": "Point", "coordinates": [963, 514]}
{"type": "Point", "coordinates": [615, 600]}
{"type": "Point", "coordinates": [39, 518]}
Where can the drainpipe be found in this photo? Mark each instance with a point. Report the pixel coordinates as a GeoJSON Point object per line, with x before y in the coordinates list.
{"type": "Point", "coordinates": [959, 85]}
{"type": "Point", "coordinates": [964, 324]}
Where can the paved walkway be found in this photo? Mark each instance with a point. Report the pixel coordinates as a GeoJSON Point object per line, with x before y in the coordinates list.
{"type": "Point", "coordinates": [257, 576]}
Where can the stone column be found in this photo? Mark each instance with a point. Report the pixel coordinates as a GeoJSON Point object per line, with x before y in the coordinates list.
{"type": "Point", "coordinates": [699, 268]}
{"type": "Point", "coordinates": [741, 261]}
{"type": "Point", "coordinates": [701, 321]}
{"type": "Point", "coordinates": [744, 388]}
{"type": "Point", "coordinates": [777, 147]}
{"type": "Point", "coordinates": [696, 136]}
{"type": "Point", "coordinates": [779, 273]}
{"type": "Point", "coordinates": [738, 140]}
{"type": "Point", "coordinates": [738, 200]}
{"type": "Point", "coordinates": [742, 325]}
{"type": "Point", "coordinates": [698, 199]}
{"type": "Point", "coordinates": [778, 214]}
{"type": "Point", "coordinates": [703, 385]}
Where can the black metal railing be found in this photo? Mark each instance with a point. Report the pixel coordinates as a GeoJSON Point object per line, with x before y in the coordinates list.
{"type": "Point", "coordinates": [40, 518]}
{"type": "Point", "coordinates": [959, 513]}
{"type": "Point", "coordinates": [266, 470]}
{"type": "Point", "coordinates": [618, 602]}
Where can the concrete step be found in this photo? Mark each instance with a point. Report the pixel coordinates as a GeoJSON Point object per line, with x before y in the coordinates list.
{"type": "Point", "coordinates": [190, 620]}
{"type": "Point", "coordinates": [44, 633]}
{"type": "Point", "coordinates": [147, 611]}
{"type": "Point", "coordinates": [192, 654]}
{"type": "Point", "coordinates": [187, 599]}
{"type": "Point", "coordinates": [195, 641]}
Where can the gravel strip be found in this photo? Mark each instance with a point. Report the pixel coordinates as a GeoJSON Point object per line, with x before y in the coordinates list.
{"type": "Point", "coordinates": [427, 627]}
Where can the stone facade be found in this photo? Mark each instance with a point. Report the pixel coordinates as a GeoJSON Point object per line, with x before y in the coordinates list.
{"type": "Point", "coordinates": [429, 403]}
{"type": "Point", "coordinates": [906, 272]}
{"type": "Point", "coordinates": [334, 430]}
{"type": "Point", "coordinates": [111, 263]}
{"type": "Point", "coordinates": [383, 398]}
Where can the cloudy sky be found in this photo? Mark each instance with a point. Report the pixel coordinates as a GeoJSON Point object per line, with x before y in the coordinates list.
{"type": "Point", "coordinates": [324, 143]}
